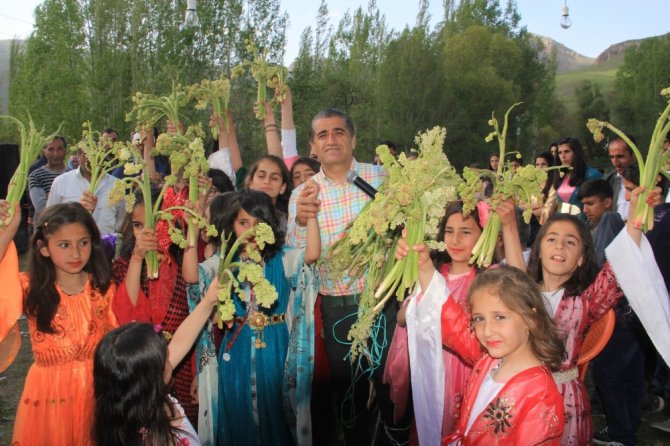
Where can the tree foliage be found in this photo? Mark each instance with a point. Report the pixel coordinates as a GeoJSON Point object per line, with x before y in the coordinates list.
{"type": "Point", "coordinates": [637, 102]}
{"type": "Point", "coordinates": [86, 58]}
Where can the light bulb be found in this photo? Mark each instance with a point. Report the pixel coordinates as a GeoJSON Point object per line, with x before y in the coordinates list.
{"type": "Point", "coordinates": [565, 19]}
{"type": "Point", "coordinates": [191, 17]}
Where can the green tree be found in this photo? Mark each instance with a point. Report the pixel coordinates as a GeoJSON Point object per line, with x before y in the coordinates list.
{"type": "Point", "coordinates": [48, 78]}
{"type": "Point", "coordinates": [637, 102]}
{"type": "Point", "coordinates": [591, 104]}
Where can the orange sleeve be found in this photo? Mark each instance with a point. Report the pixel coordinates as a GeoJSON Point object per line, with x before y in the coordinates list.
{"type": "Point", "coordinates": [11, 298]}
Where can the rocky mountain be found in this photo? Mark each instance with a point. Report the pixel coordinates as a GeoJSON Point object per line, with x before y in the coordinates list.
{"type": "Point", "coordinates": [615, 52]}
{"type": "Point", "coordinates": [566, 59]}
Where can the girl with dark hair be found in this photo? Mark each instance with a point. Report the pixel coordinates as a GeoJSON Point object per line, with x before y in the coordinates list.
{"type": "Point", "coordinates": [68, 297]}
{"type": "Point", "coordinates": [544, 160]}
{"type": "Point", "coordinates": [160, 301]}
{"type": "Point", "coordinates": [303, 169]}
{"type": "Point", "coordinates": [241, 359]}
{"type": "Point", "coordinates": [564, 264]}
{"type": "Point", "coordinates": [270, 175]}
{"type": "Point", "coordinates": [132, 369]}
{"type": "Point", "coordinates": [571, 155]}
{"type": "Point", "coordinates": [431, 365]}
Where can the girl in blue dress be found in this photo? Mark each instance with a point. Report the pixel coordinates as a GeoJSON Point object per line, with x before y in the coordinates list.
{"type": "Point", "coordinates": [251, 357]}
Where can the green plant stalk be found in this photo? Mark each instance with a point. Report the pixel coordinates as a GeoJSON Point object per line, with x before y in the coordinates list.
{"type": "Point", "coordinates": [31, 146]}
{"type": "Point", "coordinates": [193, 229]}
{"type": "Point", "coordinates": [482, 253]}
{"type": "Point", "coordinates": [150, 257]}
{"type": "Point", "coordinates": [643, 215]}
{"type": "Point", "coordinates": [261, 94]}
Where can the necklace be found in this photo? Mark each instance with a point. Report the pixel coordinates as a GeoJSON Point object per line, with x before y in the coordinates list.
{"type": "Point", "coordinates": [70, 292]}
{"type": "Point", "coordinates": [226, 355]}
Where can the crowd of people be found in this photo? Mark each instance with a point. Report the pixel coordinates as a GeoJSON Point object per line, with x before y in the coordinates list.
{"type": "Point", "coordinates": [471, 356]}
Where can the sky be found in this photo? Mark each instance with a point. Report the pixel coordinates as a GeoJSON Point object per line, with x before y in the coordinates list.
{"type": "Point", "coordinates": [596, 24]}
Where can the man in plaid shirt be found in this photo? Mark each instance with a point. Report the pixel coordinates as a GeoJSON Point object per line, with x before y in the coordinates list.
{"type": "Point", "coordinates": [333, 139]}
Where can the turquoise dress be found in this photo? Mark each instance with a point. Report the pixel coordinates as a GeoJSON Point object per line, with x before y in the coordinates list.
{"type": "Point", "coordinates": [250, 401]}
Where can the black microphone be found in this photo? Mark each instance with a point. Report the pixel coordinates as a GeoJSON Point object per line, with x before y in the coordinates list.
{"type": "Point", "coordinates": [352, 177]}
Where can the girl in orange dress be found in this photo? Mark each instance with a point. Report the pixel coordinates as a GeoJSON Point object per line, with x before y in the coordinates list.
{"type": "Point", "coordinates": [67, 299]}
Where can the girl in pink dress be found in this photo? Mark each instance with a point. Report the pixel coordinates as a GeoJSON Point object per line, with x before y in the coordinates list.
{"type": "Point", "coordinates": [438, 375]}
{"type": "Point", "coordinates": [576, 294]}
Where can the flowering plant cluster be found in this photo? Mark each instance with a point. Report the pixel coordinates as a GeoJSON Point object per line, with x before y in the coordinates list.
{"type": "Point", "coordinates": [413, 196]}
{"type": "Point", "coordinates": [139, 179]}
{"type": "Point", "coordinates": [187, 154]}
{"type": "Point", "coordinates": [215, 93]}
{"type": "Point", "coordinates": [249, 271]}
{"type": "Point", "coordinates": [32, 142]}
{"type": "Point", "coordinates": [265, 75]}
{"type": "Point", "coordinates": [657, 158]}
{"type": "Point", "coordinates": [523, 184]}
{"type": "Point", "coordinates": [149, 109]}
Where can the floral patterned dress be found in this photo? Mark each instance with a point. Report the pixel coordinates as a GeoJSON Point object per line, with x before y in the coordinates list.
{"type": "Point", "coordinates": [527, 410]}
{"type": "Point", "coordinates": [57, 403]}
{"type": "Point", "coordinates": [573, 317]}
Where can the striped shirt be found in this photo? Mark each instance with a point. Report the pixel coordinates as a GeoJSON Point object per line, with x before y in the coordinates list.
{"type": "Point", "coordinates": [39, 185]}
{"type": "Point", "coordinates": [340, 205]}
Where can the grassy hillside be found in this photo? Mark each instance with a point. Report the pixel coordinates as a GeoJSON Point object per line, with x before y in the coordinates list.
{"type": "Point", "coordinates": [602, 74]}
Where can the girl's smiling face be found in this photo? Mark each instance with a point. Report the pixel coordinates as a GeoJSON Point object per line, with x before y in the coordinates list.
{"type": "Point", "coordinates": [501, 331]}
{"type": "Point", "coordinates": [561, 250]}
{"type": "Point", "coordinates": [460, 235]}
{"type": "Point", "coordinates": [69, 248]}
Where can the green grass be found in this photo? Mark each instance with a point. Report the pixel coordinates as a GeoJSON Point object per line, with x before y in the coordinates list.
{"type": "Point", "coordinates": [566, 83]}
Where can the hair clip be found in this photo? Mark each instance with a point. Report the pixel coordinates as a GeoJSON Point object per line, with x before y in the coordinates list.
{"type": "Point", "coordinates": [158, 328]}
{"type": "Point", "coordinates": [144, 433]}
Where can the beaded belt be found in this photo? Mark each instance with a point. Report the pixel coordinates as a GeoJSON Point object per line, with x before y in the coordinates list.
{"type": "Point", "coordinates": [258, 321]}
{"type": "Point", "coordinates": [565, 376]}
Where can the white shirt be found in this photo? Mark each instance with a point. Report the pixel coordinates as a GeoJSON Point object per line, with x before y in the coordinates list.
{"type": "Point", "coordinates": [70, 186]}
{"type": "Point", "coordinates": [221, 160]}
{"type": "Point", "coordinates": [487, 391]}
{"type": "Point", "coordinates": [622, 205]}
{"type": "Point", "coordinates": [552, 299]}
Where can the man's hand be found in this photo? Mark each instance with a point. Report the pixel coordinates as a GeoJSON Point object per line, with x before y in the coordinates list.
{"type": "Point", "coordinates": [307, 205]}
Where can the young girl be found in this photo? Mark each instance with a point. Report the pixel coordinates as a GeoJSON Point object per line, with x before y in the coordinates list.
{"type": "Point", "coordinates": [511, 397]}
{"type": "Point", "coordinates": [250, 401]}
{"type": "Point", "coordinates": [270, 175]}
{"type": "Point", "coordinates": [439, 376]}
{"type": "Point", "coordinates": [132, 369]}
{"type": "Point", "coordinates": [564, 264]}
{"type": "Point", "coordinates": [303, 169]}
{"type": "Point", "coordinates": [162, 301]}
{"type": "Point", "coordinates": [67, 298]}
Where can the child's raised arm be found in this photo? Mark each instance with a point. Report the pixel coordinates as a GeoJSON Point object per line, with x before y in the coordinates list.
{"type": "Point", "coordinates": [145, 241]}
{"type": "Point", "coordinates": [313, 247]}
{"type": "Point", "coordinates": [653, 199]}
{"type": "Point", "coordinates": [510, 234]}
{"type": "Point", "coordinates": [8, 232]}
{"type": "Point", "coordinates": [188, 331]}
{"type": "Point", "coordinates": [189, 266]}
